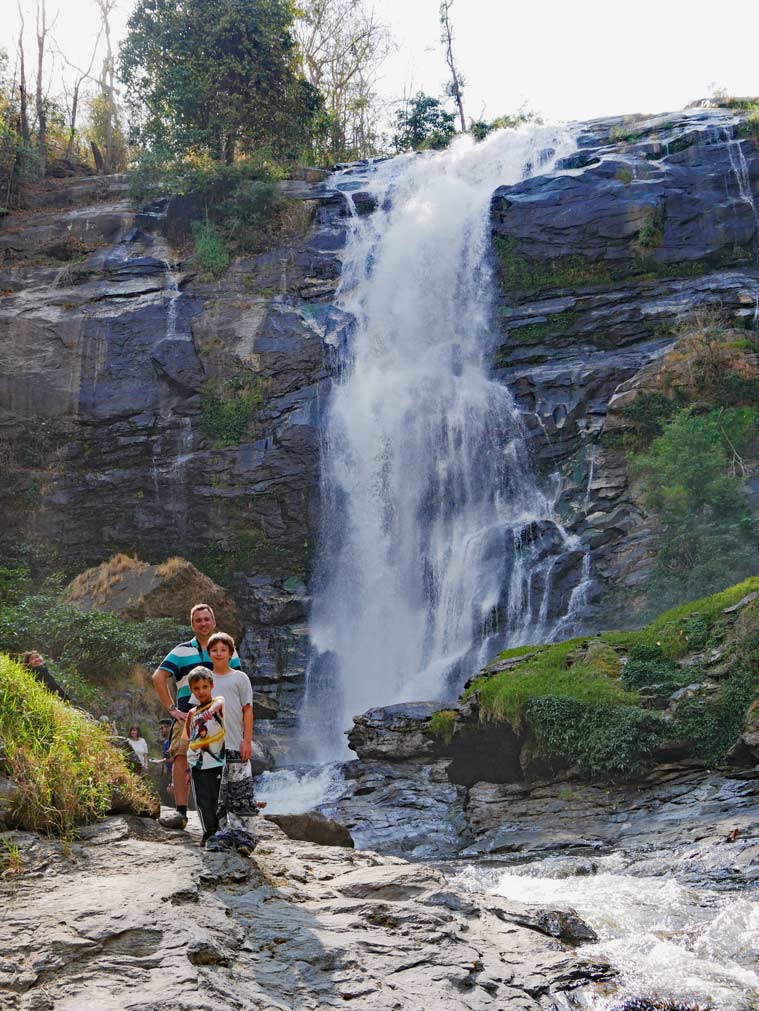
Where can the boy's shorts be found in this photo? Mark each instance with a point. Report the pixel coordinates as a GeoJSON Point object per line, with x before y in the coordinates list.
{"type": "Point", "coordinates": [178, 741]}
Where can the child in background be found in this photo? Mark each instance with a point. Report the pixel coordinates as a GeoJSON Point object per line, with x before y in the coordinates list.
{"type": "Point", "coordinates": [236, 799]}
{"type": "Point", "coordinates": [204, 728]}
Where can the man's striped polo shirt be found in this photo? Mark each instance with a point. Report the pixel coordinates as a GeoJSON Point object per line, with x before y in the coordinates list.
{"type": "Point", "coordinates": [181, 661]}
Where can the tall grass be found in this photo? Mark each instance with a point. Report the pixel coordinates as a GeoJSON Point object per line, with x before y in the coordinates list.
{"type": "Point", "coordinates": [65, 767]}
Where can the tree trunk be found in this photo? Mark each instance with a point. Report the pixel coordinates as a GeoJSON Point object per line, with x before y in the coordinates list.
{"type": "Point", "coordinates": [99, 161]}
{"type": "Point", "coordinates": [41, 112]}
{"type": "Point", "coordinates": [23, 96]}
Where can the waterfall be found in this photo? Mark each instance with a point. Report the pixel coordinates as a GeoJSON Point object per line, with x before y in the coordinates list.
{"type": "Point", "coordinates": [438, 544]}
{"type": "Point", "coordinates": [740, 170]}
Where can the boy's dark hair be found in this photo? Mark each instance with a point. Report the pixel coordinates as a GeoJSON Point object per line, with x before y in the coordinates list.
{"type": "Point", "coordinates": [221, 637]}
{"type": "Point", "coordinates": [199, 674]}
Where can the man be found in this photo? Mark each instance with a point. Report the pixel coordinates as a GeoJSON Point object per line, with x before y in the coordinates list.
{"type": "Point", "coordinates": [177, 666]}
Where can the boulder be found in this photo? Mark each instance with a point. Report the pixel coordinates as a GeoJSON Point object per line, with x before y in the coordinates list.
{"type": "Point", "coordinates": [136, 590]}
{"type": "Point", "coordinates": [261, 758]}
{"type": "Point", "coordinates": [396, 733]}
{"type": "Point", "coordinates": [313, 827]}
{"type": "Point", "coordinates": [9, 794]}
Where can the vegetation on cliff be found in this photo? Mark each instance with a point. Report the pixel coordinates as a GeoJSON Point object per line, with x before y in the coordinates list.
{"type": "Point", "coordinates": [63, 764]}
{"type": "Point", "coordinates": [86, 651]}
{"type": "Point", "coordinates": [605, 706]}
{"type": "Point", "coordinates": [693, 438]}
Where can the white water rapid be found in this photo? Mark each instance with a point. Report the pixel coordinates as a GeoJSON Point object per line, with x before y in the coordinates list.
{"type": "Point", "coordinates": [438, 544]}
{"type": "Point", "coordinates": [691, 944]}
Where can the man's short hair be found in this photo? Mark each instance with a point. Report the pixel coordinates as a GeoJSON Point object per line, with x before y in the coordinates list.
{"type": "Point", "coordinates": [201, 607]}
{"type": "Point", "coordinates": [224, 637]}
{"type": "Point", "coordinates": [199, 674]}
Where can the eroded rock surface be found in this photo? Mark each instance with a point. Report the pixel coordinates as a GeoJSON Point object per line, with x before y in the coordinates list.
{"type": "Point", "coordinates": [146, 920]}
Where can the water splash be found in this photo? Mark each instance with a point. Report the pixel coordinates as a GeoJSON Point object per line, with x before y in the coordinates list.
{"type": "Point", "coordinates": [693, 944]}
{"type": "Point", "coordinates": [437, 538]}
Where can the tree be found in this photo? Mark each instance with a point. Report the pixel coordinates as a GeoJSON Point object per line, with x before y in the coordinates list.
{"type": "Point", "coordinates": [72, 103]}
{"type": "Point", "coordinates": [43, 29]}
{"type": "Point", "coordinates": [423, 123]}
{"type": "Point", "coordinates": [343, 45]}
{"type": "Point", "coordinates": [23, 94]}
{"type": "Point", "coordinates": [219, 76]}
{"type": "Point", "coordinates": [112, 139]}
{"type": "Point", "coordinates": [455, 88]}
{"type": "Point", "coordinates": [480, 129]}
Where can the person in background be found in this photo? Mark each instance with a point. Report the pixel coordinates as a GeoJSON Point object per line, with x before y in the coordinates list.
{"type": "Point", "coordinates": [36, 664]}
{"type": "Point", "coordinates": [164, 730]}
{"type": "Point", "coordinates": [139, 745]}
{"type": "Point", "coordinates": [177, 666]}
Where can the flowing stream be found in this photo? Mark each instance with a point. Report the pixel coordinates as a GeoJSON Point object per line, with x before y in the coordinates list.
{"type": "Point", "coordinates": [438, 545]}
{"type": "Point", "coordinates": [686, 943]}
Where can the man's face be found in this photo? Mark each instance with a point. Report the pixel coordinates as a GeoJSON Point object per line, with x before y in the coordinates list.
{"type": "Point", "coordinates": [203, 623]}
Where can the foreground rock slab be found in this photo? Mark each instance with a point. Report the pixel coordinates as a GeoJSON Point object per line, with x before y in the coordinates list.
{"type": "Point", "coordinates": [140, 919]}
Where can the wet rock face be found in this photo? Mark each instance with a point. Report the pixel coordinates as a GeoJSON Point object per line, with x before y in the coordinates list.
{"type": "Point", "coordinates": [109, 350]}
{"type": "Point", "coordinates": [395, 732]}
{"type": "Point", "coordinates": [302, 926]}
{"type": "Point", "coordinates": [116, 348]}
{"type": "Point", "coordinates": [654, 223]}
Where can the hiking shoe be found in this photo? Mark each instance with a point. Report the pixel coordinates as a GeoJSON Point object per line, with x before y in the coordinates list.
{"type": "Point", "coordinates": [173, 820]}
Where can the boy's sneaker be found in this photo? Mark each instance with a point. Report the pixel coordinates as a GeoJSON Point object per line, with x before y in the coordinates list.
{"type": "Point", "coordinates": [173, 820]}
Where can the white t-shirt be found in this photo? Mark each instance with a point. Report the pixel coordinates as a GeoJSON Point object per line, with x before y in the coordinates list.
{"type": "Point", "coordinates": [140, 748]}
{"type": "Point", "coordinates": [236, 689]}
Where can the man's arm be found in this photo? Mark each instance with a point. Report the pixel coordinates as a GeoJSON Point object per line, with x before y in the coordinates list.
{"type": "Point", "coordinates": [246, 747]}
{"type": "Point", "coordinates": [161, 682]}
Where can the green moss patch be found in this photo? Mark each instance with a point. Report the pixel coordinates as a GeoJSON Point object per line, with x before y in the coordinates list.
{"type": "Point", "coordinates": [442, 724]}
{"type": "Point", "coordinates": [227, 409]}
{"type": "Point", "coordinates": [580, 704]}
{"type": "Point", "coordinates": [519, 274]}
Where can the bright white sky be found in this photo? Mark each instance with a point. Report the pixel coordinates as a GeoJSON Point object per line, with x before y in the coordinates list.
{"type": "Point", "coordinates": [567, 60]}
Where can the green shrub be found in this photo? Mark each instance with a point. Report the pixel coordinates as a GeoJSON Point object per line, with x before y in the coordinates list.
{"type": "Point", "coordinates": [692, 479]}
{"type": "Point", "coordinates": [649, 412]}
{"type": "Point", "coordinates": [210, 249]}
{"type": "Point", "coordinates": [226, 412]}
{"type": "Point", "coordinates": [442, 725]}
{"type": "Point", "coordinates": [651, 232]}
{"type": "Point", "coordinates": [593, 720]}
{"type": "Point", "coordinates": [65, 767]}
{"type": "Point", "coordinates": [96, 644]}
{"type": "Point", "coordinates": [250, 549]}
{"type": "Point", "coordinates": [601, 741]}
{"type": "Point", "coordinates": [648, 667]}
{"type": "Point", "coordinates": [712, 726]}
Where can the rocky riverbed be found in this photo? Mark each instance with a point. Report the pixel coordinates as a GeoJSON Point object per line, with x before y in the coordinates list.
{"type": "Point", "coordinates": [133, 916]}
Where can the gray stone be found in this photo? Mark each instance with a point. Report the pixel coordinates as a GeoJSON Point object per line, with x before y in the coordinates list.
{"type": "Point", "coordinates": [313, 827]}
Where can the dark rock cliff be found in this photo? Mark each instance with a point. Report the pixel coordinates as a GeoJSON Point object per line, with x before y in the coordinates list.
{"type": "Point", "coordinates": [115, 355]}
{"type": "Point", "coordinates": [114, 358]}
{"type": "Point", "coordinates": [653, 220]}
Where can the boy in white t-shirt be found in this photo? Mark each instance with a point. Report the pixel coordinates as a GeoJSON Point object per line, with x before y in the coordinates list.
{"type": "Point", "coordinates": [236, 799]}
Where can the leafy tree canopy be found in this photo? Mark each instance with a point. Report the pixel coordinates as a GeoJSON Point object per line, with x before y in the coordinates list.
{"type": "Point", "coordinates": [423, 123]}
{"type": "Point", "coordinates": [219, 76]}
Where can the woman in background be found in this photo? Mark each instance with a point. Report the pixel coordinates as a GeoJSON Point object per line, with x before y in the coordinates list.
{"type": "Point", "coordinates": [139, 745]}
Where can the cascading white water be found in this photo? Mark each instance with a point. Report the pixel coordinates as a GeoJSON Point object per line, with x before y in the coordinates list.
{"type": "Point", "coordinates": [740, 170]}
{"type": "Point", "coordinates": [436, 534]}
{"type": "Point", "coordinates": [690, 944]}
